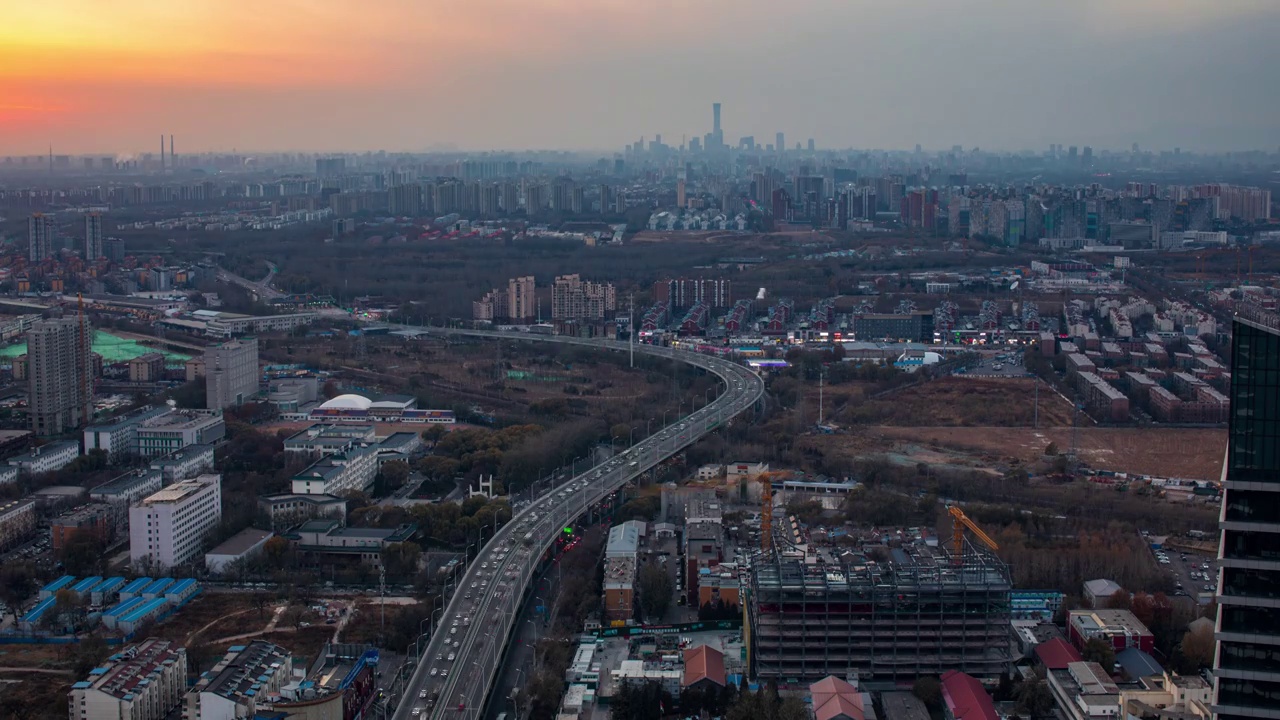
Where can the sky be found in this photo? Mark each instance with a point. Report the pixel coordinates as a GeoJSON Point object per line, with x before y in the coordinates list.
{"type": "Point", "coordinates": [111, 76]}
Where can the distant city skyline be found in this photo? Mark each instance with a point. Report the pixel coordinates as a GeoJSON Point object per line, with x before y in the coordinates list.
{"type": "Point", "coordinates": [412, 75]}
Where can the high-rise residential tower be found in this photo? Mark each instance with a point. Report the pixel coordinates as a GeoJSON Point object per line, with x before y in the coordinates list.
{"type": "Point", "coordinates": [521, 298]}
{"type": "Point", "coordinates": [60, 395]}
{"type": "Point", "coordinates": [40, 232]}
{"type": "Point", "coordinates": [1247, 661]}
{"type": "Point", "coordinates": [92, 236]}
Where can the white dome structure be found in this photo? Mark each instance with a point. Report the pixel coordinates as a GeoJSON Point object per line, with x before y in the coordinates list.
{"type": "Point", "coordinates": [347, 402]}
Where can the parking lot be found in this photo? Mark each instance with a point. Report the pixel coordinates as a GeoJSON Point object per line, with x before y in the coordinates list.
{"type": "Point", "coordinates": [999, 365]}
{"type": "Point", "coordinates": [1193, 574]}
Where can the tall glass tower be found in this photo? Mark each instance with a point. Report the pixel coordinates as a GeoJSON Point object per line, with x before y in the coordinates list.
{"type": "Point", "coordinates": [1247, 662]}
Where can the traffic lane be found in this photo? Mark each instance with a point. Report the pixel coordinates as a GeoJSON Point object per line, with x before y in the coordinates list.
{"type": "Point", "coordinates": [700, 415]}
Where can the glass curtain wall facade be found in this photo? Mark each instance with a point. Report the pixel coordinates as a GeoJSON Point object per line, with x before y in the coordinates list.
{"type": "Point", "coordinates": [1247, 662]}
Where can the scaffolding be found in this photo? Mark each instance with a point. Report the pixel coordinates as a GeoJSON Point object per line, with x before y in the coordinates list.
{"type": "Point", "coordinates": [918, 613]}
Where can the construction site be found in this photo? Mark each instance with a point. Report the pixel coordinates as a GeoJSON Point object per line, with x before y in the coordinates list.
{"type": "Point", "coordinates": [887, 612]}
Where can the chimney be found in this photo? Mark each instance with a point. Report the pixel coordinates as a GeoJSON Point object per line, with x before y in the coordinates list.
{"type": "Point", "coordinates": [162, 153]}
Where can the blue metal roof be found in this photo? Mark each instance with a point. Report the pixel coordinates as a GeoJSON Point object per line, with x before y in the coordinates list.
{"type": "Point", "coordinates": [157, 587]}
{"type": "Point", "coordinates": [124, 607]}
{"type": "Point", "coordinates": [109, 584]}
{"type": "Point", "coordinates": [143, 610]}
{"type": "Point", "coordinates": [136, 585]}
{"type": "Point", "coordinates": [60, 583]}
{"type": "Point", "coordinates": [35, 612]}
{"type": "Point", "coordinates": [180, 586]}
{"type": "Point", "coordinates": [87, 583]}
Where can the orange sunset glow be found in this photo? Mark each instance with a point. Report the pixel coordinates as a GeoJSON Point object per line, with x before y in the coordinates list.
{"type": "Point", "coordinates": [110, 75]}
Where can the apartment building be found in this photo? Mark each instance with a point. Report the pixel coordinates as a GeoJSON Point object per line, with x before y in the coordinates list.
{"type": "Point", "coordinates": [61, 389]}
{"type": "Point", "coordinates": [128, 488]}
{"type": "Point", "coordinates": [231, 373]}
{"type": "Point", "coordinates": [47, 458]}
{"type": "Point", "coordinates": [17, 522]}
{"type": "Point", "coordinates": [142, 682]}
{"type": "Point", "coordinates": [188, 462]}
{"type": "Point", "coordinates": [573, 298]}
{"type": "Point", "coordinates": [146, 368]}
{"type": "Point", "coordinates": [168, 527]}
{"type": "Point", "coordinates": [240, 684]}
{"type": "Point", "coordinates": [334, 474]}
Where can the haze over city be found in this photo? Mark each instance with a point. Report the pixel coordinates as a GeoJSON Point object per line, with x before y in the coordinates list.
{"type": "Point", "coordinates": [334, 75]}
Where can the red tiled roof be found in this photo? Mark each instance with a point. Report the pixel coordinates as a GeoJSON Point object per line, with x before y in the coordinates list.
{"type": "Point", "coordinates": [703, 663]}
{"type": "Point", "coordinates": [965, 697]}
{"type": "Point", "coordinates": [1056, 653]}
{"type": "Point", "coordinates": [834, 698]}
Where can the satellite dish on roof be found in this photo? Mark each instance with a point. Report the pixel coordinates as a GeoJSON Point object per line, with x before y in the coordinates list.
{"type": "Point", "coordinates": [1014, 286]}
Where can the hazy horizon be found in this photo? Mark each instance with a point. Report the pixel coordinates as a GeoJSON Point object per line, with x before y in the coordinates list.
{"type": "Point", "coordinates": [594, 75]}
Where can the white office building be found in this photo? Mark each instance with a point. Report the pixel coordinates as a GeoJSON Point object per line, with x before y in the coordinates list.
{"type": "Point", "coordinates": [169, 527]}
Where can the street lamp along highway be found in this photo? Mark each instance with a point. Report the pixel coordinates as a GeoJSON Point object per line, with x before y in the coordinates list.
{"type": "Point", "coordinates": [481, 645]}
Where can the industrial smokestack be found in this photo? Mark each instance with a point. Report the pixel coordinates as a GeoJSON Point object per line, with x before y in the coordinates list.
{"type": "Point", "coordinates": [173, 159]}
{"type": "Point", "coordinates": [162, 153]}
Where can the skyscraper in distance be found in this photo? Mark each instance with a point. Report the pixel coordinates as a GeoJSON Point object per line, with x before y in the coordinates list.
{"type": "Point", "coordinates": [60, 393]}
{"type": "Point", "coordinates": [780, 143]}
{"type": "Point", "coordinates": [92, 236]}
{"type": "Point", "coordinates": [40, 231]}
{"type": "Point", "coordinates": [715, 118]}
{"type": "Point", "coordinates": [1247, 662]}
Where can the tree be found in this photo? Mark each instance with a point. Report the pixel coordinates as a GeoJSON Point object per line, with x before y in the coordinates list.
{"type": "Point", "coordinates": [17, 583]}
{"type": "Point", "coordinates": [1034, 698]}
{"type": "Point", "coordinates": [401, 559]}
{"type": "Point", "coordinates": [928, 689]}
{"type": "Point", "coordinates": [1120, 600]}
{"type": "Point", "coordinates": [1100, 651]}
{"type": "Point", "coordinates": [1198, 645]}
{"type": "Point", "coordinates": [655, 588]}
{"type": "Point", "coordinates": [82, 553]}
{"type": "Point", "coordinates": [394, 474]}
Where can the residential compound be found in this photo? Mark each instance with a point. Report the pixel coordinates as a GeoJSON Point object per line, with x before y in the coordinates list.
{"type": "Point", "coordinates": [142, 682]}
{"type": "Point", "coordinates": [244, 681]}
{"type": "Point", "coordinates": [573, 298]}
{"type": "Point", "coordinates": [517, 303]}
{"type": "Point", "coordinates": [169, 527]}
{"type": "Point", "coordinates": [231, 373]}
{"type": "Point", "coordinates": [920, 611]}
{"type": "Point", "coordinates": [61, 384]}
{"type": "Point", "coordinates": [1247, 663]}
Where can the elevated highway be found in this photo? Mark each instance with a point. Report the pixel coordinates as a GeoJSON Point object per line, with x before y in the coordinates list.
{"type": "Point", "coordinates": [465, 651]}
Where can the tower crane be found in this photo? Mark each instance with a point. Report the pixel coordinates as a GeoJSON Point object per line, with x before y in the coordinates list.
{"type": "Point", "coordinates": [959, 522]}
{"type": "Point", "coordinates": [766, 507]}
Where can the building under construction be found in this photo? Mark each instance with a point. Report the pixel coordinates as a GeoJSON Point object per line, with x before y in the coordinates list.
{"type": "Point", "coordinates": [916, 612]}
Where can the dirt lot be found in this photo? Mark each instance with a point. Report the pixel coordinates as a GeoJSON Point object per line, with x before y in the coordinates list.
{"type": "Point", "coordinates": [959, 401]}
{"type": "Point", "coordinates": [1168, 452]}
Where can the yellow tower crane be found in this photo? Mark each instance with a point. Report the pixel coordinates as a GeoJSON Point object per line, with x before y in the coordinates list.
{"type": "Point", "coordinates": [959, 522]}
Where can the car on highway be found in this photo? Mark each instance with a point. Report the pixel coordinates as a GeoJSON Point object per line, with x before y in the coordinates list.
{"type": "Point", "coordinates": [435, 672]}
